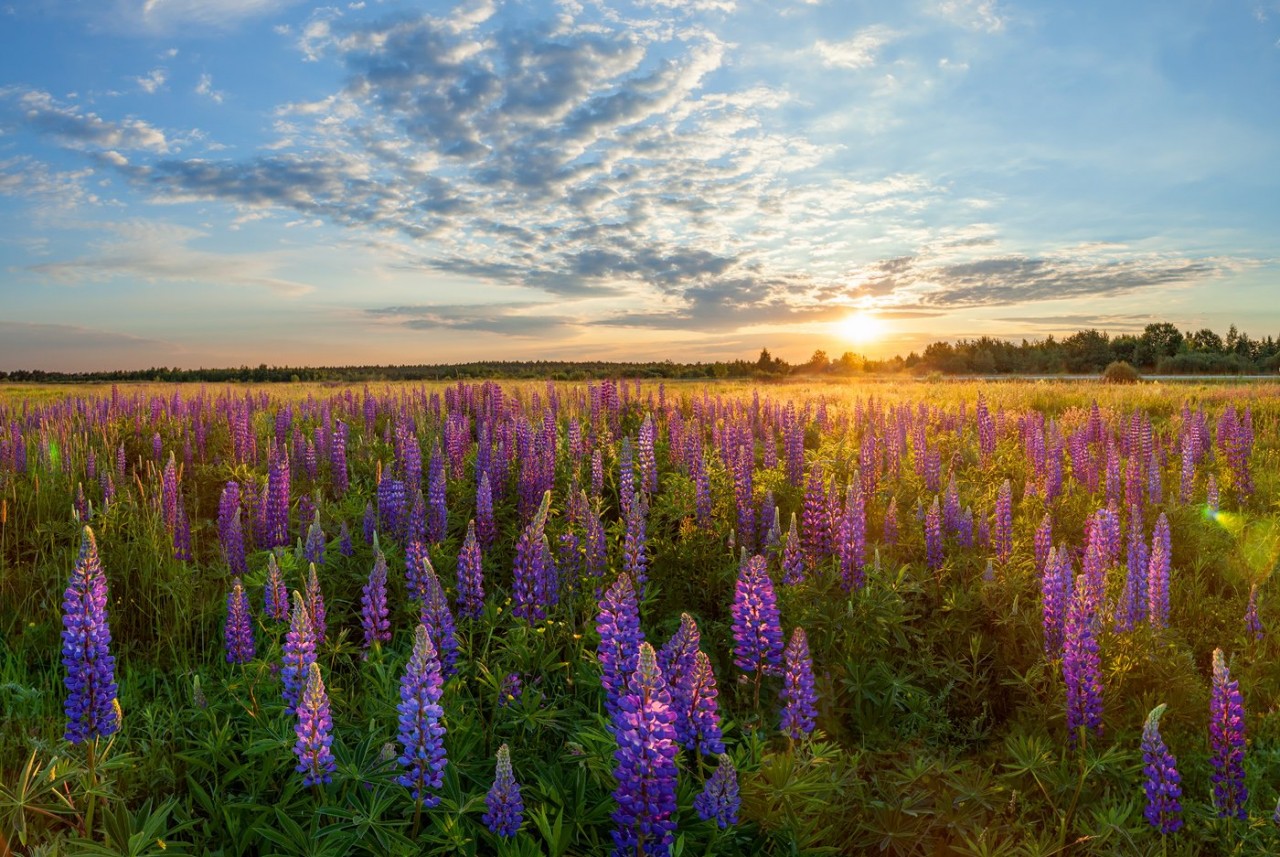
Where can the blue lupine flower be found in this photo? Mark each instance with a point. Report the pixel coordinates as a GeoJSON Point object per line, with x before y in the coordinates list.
{"type": "Point", "coordinates": [86, 648]}
{"type": "Point", "coordinates": [421, 732]}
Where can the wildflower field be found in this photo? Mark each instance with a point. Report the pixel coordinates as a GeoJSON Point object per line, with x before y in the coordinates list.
{"type": "Point", "coordinates": [551, 619]}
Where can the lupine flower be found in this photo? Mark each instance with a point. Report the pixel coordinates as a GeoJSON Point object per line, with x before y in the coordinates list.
{"type": "Point", "coordinates": [816, 530]}
{"type": "Point", "coordinates": [933, 537]}
{"type": "Point", "coordinates": [1003, 540]}
{"type": "Point", "coordinates": [344, 541]}
{"type": "Point", "coordinates": [534, 584]}
{"type": "Point", "coordinates": [230, 529]}
{"type": "Point", "coordinates": [853, 538]}
{"type": "Point", "coordinates": [1081, 669]}
{"type": "Point", "coordinates": [798, 694]}
{"type": "Point", "coordinates": [703, 720]}
{"type": "Point", "coordinates": [719, 798]}
{"type": "Point", "coordinates": [677, 660]}
{"type": "Point", "coordinates": [635, 559]}
{"type": "Point", "coordinates": [1133, 607]}
{"type": "Point", "coordinates": [313, 552]}
{"type": "Point", "coordinates": [421, 732]}
{"type": "Point", "coordinates": [314, 731]}
{"type": "Point", "coordinates": [86, 649]}
{"type": "Point", "coordinates": [1163, 785]}
{"type": "Point", "coordinates": [792, 557]}
{"type": "Point", "coordinates": [373, 605]}
{"type": "Point", "coordinates": [437, 507]}
{"type": "Point", "coordinates": [505, 808]}
{"type": "Point", "coordinates": [1226, 742]}
{"type": "Point", "coordinates": [435, 615]}
{"type": "Point", "coordinates": [275, 595]}
{"type": "Point", "coordinates": [1158, 585]}
{"type": "Point", "coordinates": [1252, 623]}
{"type": "Point", "coordinates": [646, 755]}
{"type": "Point", "coordinates": [238, 631]}
{"type": "Point", "coordinates": [182, 535]}
{"type": "Point", "coordinates": [299, 652]}
{"type": "Point", "coordinates": [368, 524]}
{"type": "Point", "coordinates": [757, 630]}
{"type": "Point", "coordinates": [470, 576]}
{"type": "Point", "coordinates": [1044, 539]}
{"type": "Point", "coordinates": [277, 506]}
{"type": "Point", "coordinates": [511, 690]}
{"type": "Point", "coordinates": [618, 624]}
{"type": "Point", "coordinates": [315, 606]}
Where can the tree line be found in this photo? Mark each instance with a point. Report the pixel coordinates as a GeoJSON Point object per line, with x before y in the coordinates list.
{"type": "Point", "coordinates": [1161, 349]}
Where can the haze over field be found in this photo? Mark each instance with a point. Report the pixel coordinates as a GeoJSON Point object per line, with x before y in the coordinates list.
{"type": "Point", "coordinates": [226, 182]}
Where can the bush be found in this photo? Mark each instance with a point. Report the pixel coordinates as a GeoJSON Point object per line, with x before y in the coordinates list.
{"type": "Point", "coordinates": [1120, 372]}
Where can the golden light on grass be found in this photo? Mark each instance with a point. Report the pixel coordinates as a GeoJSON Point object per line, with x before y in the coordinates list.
{"type": "Point", "coordinates": [861, 328]}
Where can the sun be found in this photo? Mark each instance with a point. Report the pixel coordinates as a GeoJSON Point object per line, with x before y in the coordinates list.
{"type": "Point", "coordinates": [861, 328]}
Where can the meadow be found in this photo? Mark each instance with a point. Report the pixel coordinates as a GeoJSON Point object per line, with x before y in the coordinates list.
{"type": "Point", "coordinates": [908, 618]}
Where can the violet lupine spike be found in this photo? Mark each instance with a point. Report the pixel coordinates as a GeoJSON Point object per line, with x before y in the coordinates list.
{"type": "Point", "coordinates": [1081, 668]}
{"type": "Point", "coordinates": [702, 493]}
{"type": "Point", "coordinates": [677, 659]}
{"type": "Point", "coordinates": [933, 537]}
{"type": "Point", "coordinates": [703, 719]}
{"type": "Point", "coordinates": [719, 799]}
{"type": "Point", "coordinates": [277, 497]}
{"type": "Point", "coordinates": [314, 731]}
{"type": "Point", "coordinates": [1044, 539]}
{"type": "Point", "coordinates": [1158, 586]}
{"type": "Point", "coordinates": [313, 552]}
{"type": "Point", "coordinates": [421, 733]}
{"type": "Point", "coordinates": [374, 617]}
{"type": "Point", "coordinates": [1252, 622]}
{"type": "Point", "coordinates": [315, 606]}
{"type": "Point", "coordinates": [853, 538]}
{"type": "Point", "coordinates": [1227, 742]}
{"type": "Point", "coordinates": [345, 548]}
{"type": "Point", "coordinates": [299, 652]}
{"type": "Point", "coordinates": [368, 524]}
{"type": "Point", "coordinates": [646, 755]}
{"type": "Point", "coordinates": [182, 536]}
{"type": "Point", "coordinates": [648, 460]}
{"type": "Point", "coordinates": [416, 530]}
{"type": "Point", "coordinates": [533, 592]}
{"type": "Point", "coordinates": [1133, 606]}
{"type": "Point", "coordinates": [470, 576]}
{"type": "Point", "coordinates": [437, 507]}
{"type": "Point", "coordinates": [635, 557]}
{"type": "Point", "coordinates": [1002, 540]}
{"type": "Point", "coordinates": [416, 559]}
{"type": "Point", "coordinates": [799, 697]}
{"type": "Point", "coordinates": [618, 623]}
{"type": "Point", "coordinates": [169, 494]}
{"type": "Point", "coordinates": [435, 615]}
{"type": "Point", "coordinates": [275, 595]}
{"type": "Point", "coordinates": [1163, 785]}
{"type": "Point", "coordinates": [815, 534]}
{"type": "Point", "coordinates": [504, 807]}
{"type": "Point", "coordinates": [486, 530]}
{"type": "Point", "coordinates": [793, 570]}
{"type": "Point", "coordinates": [231, 530]}
{"type": "Point", "coordinates": [86, 649]}
{"type": "Point", "coordinates": [890, 526]}
{"type": "Point", "coordinates": [757, 628]}
{"type": "Point", "coordinates": [238, 630]}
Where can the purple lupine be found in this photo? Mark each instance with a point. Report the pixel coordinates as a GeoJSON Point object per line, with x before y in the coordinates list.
{"type": "Point", "coordinates": [421, 732]}
{"type": "Point", "coordinates": [345, 548]}
{"type": "Point", "coordinates": [374, 617]}
{"type": "Point", "coordinates": [1055, 595]}
{"type": "Point", "coordinates": [504, 808]}
{"type": "Point", "coordinates": [314, 731]}
{"type": "Point", "coordinates": [1163, 786]}
{"type": "Point", "coordinates": [618, 624]}
{"type": "Point", "coordinates": [702, 492]}
{"type": "Point", "coordinates": [703, 719]}
{"type": "Point", "coordinates": [1158, 585]}
{"type": "Point", "coordinates": [368, 524]}
{"type": "Point", "coordinates": [890, 527]}
{"type": "Point", "coordinates": [793, 571]}
{"type": "Point", "coordinates": [1226, 742]}
{"type": "Point", "coordinates": [277, 505]}
{"type": "Point", "coordinates": [238, 630]}
{"type": "Point", "coordinates": [437, 507]}
{"type": "Point", "coordinates": [86, 649]}
{"type": "Point", "coordinates": [719, 798]}
{"type": "Point", "coordinates": [391, 497]}
{"type": "Point", "coordinates": [677, 659]}
{"type": "Point", "coordinates": [933, 537]}
{"type": "Point", "coordinates": [275, 595]}
{"type": "Point", "coordinates": [743, 492]}
{"type": "Point", "coordinates": [470, 576]}
{"type": "Point", "coordinates": [338, 459]}
{"type": "Point", "coordinates": [853, 538]}
{"type": "Point", "coordinates": [646, 755]}
{"type": "Point", "coordinates": [435, 615]}
{"type": "Point", "coordinates": [815, 534]}
{"type": "Point", "coordinates": [416, 528]}
{"type": "Point", "coordinates": [1002, 540]}
{"type": "Point", "coordinates": [635, 558]}
{"type": "Point", "coordinates": [231, 530]}
{"type": "Point", "coordinates": [313, 549]}
{"type": "Point", "coordinates": [315, 606]}
{"type": "Point", "coordinates": [534, 587]}
{"type": "Point", "coordinates": [648, 461]}
{"type": "Point", "coordinates": [169, 495]}
{"type": "Point", "coordinates": [757, 629]}
{"type": "Point", "coordinates": [416, 559]}
{"type": "Point", "coordinates": [1044, 539]}
{"type": "Point", "coordinates": [1081, 669]}
{"type": "Point", "coordinates": [1252, 622]}
{"type": "Point", "coordinates": [299, 652]}
{"type": "Point", "coordinates": [799, 697]}
{"type": "Point", "coordinates": [182, 535]}
{"type": "Point", "coordinates": [511, 690]}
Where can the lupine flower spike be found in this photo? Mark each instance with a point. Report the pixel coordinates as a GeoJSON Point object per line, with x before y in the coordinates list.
{"type": "Point", "coordinates": [314, 732]}
{"type": "Point", "coordinates": [646, 771]}
{"type": "Point", "coordinates": [719, 799]}
{"type": "Point", "coordinates": [86, 649]}
{"type": "Point", "coordinates": [1163, 785]}
{"type": "Point", "coordinates": [238, 631]}
{"type": "Point", "coordinates": [798, 694]}
{"type": "Point", "coordinates": [421, 732]}
{"type": "Point", "coordinates": [505, 808]}
{"type": "Point", "coordinates": [1226, 742]}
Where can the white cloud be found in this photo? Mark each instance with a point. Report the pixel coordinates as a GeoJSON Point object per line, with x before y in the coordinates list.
{"type": "Point", "coordinates": [78, 129]}
{"type": "Point", "coordinates": [153, 80]}
{"type": "Point", "coordinates": [175, 15]}
{"type": "Point", "coordinates": [205, 87]}
{"type": "Point", "coordinates": [983, 15]}
{"type": "Point", "coordinates": [860, 51]}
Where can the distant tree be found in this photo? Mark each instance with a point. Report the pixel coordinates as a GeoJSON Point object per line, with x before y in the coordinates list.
{"type": "Point", "coordinates": [1123, 348]}
{"type": "Point", "coordinates": [1158, 340]}
{"type": "Point", "coordinates": [1206, 340]}
{"type": "Point", "coordinates": [1087, 351]}
{"type": "Point", "coordinates": [850, 363]}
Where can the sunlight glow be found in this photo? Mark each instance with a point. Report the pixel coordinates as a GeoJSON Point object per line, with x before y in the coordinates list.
{"type": "Point", "coordinates": [861, 328]}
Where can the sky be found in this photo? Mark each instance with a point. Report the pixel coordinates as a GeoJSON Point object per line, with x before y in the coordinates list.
{"type": "Point", "coordinates": [233, 182]}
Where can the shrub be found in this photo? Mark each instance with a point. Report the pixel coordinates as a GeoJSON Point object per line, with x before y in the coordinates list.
{"type": "Point", "coordinates": [1120, 372]}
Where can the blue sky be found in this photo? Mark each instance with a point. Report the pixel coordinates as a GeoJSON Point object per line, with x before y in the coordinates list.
{"type": "Point", "coordinates": [227, 182]}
